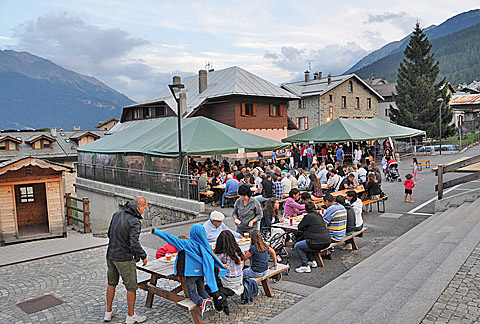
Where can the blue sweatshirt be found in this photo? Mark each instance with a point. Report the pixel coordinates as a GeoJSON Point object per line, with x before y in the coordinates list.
{"type": "Point", "coordinates": [199, 257]}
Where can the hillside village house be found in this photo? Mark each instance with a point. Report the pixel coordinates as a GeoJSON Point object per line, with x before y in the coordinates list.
{"type": "Point", "coordinates": [466, 111]}
{"type": "Point", "coordinates": [56, 146]}
{"type": "Point", "coordinates": [232, 96]}
{"type": "Point", "coordinates": [323, 99]}
{"type": "Point", "coordinates": [107, 124]}
{"type": "Point", "coordinates": [386, 90]}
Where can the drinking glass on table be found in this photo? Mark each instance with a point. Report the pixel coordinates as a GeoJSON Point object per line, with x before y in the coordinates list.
{"type": "Point", "coordinates": [168, 257]}
{"type": "Point", "coordinates": [246, 235]}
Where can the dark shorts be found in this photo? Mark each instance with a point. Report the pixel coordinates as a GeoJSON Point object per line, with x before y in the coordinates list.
{"type": "Point", "coordinates": [125, 269]}
{"type": "Point", "coordinates": [408, 191]}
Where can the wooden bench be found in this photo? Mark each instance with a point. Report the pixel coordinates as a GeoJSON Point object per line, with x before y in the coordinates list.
{"type": "Point", "coordinates": [271, 273]}
{"type": "Point", "coordinates": [381, 199]}
{"type": "Point", "coordinates": [346, 239]}
{"type": "Point", "coordinates": [229, 198]}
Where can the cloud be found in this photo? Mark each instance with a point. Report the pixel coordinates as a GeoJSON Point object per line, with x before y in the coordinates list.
{"type": "Point", "coordinates": [401, 20]}
{"type": "Point", "coordinates": [5, 38]}
{"type": "Point", "coordinates": [330, 59]}
{"type": "Point", "coordinates": [84, 48]}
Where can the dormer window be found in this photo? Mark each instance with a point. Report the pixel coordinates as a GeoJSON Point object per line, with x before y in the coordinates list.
{"type": "Point", "coordinates": [8, 143]}
{"type": "Point", "coordinates": [40, 142]}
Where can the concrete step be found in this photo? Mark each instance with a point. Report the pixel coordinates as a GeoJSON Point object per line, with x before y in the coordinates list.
{"type": "Point", "coordinates": [402, 280]}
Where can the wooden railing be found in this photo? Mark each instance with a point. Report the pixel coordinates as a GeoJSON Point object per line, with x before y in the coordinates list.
{"type": "Point", "coordinates": [452, 168]}
{"type": "Point", "coordinates": [85, 210]}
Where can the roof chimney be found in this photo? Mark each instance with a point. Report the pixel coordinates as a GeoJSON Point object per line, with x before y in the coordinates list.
{"type": "Point", "coordinates": [177, 80]}
{"type": "Point", "coordinates": [307, 75]}
{"type": "Point", "coordinates": [329, 78]}
{"type": "Point", "coordinates": [317, 76]}
{"type": "Point", "coordinates": [202, 81]}
{"type": "Point", "coordinates": [53, 132]}
{"type": "Point", "coordinates": [320, 75]}
{"type": "Point", "coordinates": [183, 103]}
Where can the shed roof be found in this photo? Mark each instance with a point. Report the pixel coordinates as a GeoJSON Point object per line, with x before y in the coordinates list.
{"type": "Point", "coordinates": [468, 99]}
{"type": "Point", "coordinates": [230, 81]}
{"type": "Point", "coordinates": [24, 161]}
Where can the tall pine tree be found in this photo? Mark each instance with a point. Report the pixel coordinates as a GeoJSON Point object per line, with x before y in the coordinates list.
{"type": "Point", "coordinates": [418, 91]}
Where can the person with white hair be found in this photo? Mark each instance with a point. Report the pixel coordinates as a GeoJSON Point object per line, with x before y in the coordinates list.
{"type": "Point", "coordinates": [215, 225]}
{"type": "Point", "coordinates": [286, 184]}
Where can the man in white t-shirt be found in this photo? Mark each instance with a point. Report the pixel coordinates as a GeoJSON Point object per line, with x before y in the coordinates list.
{"type": "Point", "coordinates": [357, 155]}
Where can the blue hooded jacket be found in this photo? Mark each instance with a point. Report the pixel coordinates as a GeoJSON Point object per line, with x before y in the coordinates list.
{"type": "Point", "coordinates": [199, 257]}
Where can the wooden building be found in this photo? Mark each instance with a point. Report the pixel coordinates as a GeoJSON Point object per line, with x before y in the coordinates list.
{"type": "Point", "coordinates": [31, 199]}
{"type": "Point", "coordinates": [232, 96]}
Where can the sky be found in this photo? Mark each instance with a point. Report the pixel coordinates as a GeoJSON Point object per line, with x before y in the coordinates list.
{"type": "Point", "coordinates": [136, 47]}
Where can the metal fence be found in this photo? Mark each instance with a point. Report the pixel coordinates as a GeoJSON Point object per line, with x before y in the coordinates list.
{"type": "Point", "coordinates": [178, 185]}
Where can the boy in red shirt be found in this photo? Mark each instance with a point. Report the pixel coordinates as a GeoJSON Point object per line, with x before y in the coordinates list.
{"type": "Point", "coordinates": [409, 184]}
{"type": "Point", "coordinates": [168, 249]}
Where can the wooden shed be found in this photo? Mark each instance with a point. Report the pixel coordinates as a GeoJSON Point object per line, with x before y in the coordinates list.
{"type": "Point", "coordinates": [31, 199]}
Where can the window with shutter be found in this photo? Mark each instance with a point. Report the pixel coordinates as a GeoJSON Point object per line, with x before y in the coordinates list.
{"type": "Point", "coordinates": [275, 110]}
{"type": "Point", "coordinates": [249, 109]}
{"type": "Point", "coordinates": [306, 123]}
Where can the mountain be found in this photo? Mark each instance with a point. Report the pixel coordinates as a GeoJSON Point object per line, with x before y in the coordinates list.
{"type": "Point", "coordinates": [36, 93]}
{"type": "Point", "coordinates": [450, 26]}
{"type": "Point", "coordinates": [458, 54]}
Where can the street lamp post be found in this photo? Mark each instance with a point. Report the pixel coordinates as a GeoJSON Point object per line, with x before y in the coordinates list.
{"type": "Point", "coordinates": [172, 88]}
{"type": "Point", "coordinates": [440, 100]}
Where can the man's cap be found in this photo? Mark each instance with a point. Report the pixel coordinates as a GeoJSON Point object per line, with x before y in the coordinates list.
{"type": "Point", "coordinates": [217, 216]}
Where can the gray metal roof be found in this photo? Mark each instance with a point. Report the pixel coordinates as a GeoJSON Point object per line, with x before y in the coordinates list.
{"type": "Point", "coordinates": [385, 90]}
{"type": "Point", "coordinates": [121, 126]}
{"type": "Point", "coordinates": [321, 86]}
{"type": "Point", "coordinates": [229, 81]}
{"type": "Point", "coordinates": [63, 146]}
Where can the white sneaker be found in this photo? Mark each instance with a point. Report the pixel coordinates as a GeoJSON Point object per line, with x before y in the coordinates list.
{"type": "Point", "coordinates": [312, 264]}
{"type": "Point", "coordinates": [135, 319]}
{"type": "Point", "coordinates": [108, 316]}
{"type": "Point", "coordinates": [303, 269]}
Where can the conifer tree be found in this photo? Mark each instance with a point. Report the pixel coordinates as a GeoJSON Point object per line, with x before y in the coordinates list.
{"type": "Point", "coordinates": [418, 91]}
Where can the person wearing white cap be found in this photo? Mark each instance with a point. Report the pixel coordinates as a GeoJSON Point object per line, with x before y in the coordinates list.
{"type": "Point", "coordinates": [214, 226]}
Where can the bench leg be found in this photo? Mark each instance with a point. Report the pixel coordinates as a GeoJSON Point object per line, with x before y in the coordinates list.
{"type": "Point", "coordinates": [150, 294]}
{"type": "Point", "coordinates": [319, 259]}
{"type": "Point", "coordinates": [197, 317]}
{"type": "Point", "coordinates": [267, 288]}
{"type": "Point", "coordinates": [354, 245]}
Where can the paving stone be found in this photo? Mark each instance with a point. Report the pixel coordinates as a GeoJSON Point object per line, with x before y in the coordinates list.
{"type": "Point", "coordinates": [459, 303]}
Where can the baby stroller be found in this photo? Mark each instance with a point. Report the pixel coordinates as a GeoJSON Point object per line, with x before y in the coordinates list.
{"type": "Point", "coordinates": [277, 242]}
{"type": "Point", "coordinates": [392, 171]}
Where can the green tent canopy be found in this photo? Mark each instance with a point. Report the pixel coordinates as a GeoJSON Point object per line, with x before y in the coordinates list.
{"type": "Point", "coordinates": [200, 136]}
{"type": "Point", "coordinates": [347, 130]}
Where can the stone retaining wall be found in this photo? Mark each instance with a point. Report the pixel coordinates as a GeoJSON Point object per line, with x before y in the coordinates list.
{"type": "Point", "coordinates": [105, 200]}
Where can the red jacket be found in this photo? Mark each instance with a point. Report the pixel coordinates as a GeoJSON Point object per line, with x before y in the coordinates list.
{"type": "Point", "coordinates": [166, 249]}
{"type": "Point", "coordinates": [409, 184]}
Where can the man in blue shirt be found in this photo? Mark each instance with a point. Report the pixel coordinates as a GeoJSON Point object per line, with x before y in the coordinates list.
{"type": "Point", "coordinates": [231, 189]}
{"type": "Point", "coordinates": [340, 155]}
{"type": "Point", "coordinates": [215, 225]}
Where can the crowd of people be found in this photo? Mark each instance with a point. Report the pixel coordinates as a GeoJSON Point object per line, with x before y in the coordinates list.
{"type": "Point", "coordinates": [293, 179]}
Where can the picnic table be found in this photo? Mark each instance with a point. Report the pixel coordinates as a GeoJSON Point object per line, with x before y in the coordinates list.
{"type": "Point", "coordinates": [161, 269]}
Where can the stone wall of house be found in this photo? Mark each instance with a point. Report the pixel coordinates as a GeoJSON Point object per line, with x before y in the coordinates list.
{"type": "Point", "coordinates": [105, 200]}
{"type": "Point", "coordinates": [317, 107]}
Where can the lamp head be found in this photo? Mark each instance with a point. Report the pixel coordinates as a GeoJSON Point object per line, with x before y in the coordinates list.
{"type": "Point", "coordinates": [440, 99]}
